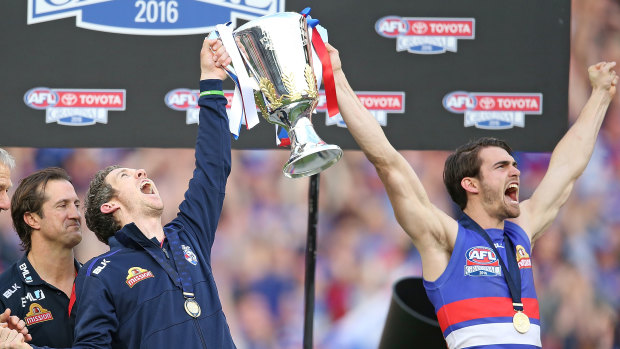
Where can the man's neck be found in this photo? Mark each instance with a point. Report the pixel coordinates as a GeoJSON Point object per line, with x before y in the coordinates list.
{"type": "Point", "coordinates": [55, 265]}
{"type": "Point", "coordinates": [151, 227]}
{"type": "Point", "coordinates": [480, 216]}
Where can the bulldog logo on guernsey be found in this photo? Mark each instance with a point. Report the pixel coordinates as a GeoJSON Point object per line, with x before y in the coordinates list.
{"type": "Point", "coordinates": [493, 111]}
{"type": "Point", "coordinates": [482, 261]}
{"type": "Point", "coordinates": [523, 258]}
{"type": "Point", "coordinates": [37, 314]}
{"type": "Point", "coordinates": [137, 274]}
{"type": "Point", "coordinates": [426, 35]}
{"type": "Point", "coordinates": [71, 107]}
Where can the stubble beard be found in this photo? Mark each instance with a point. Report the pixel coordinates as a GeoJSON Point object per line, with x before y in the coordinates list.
{"type": "Point", "coordinates": [499, 208]}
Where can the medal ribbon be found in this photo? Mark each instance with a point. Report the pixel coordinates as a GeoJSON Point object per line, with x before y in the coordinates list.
{"type": "Point", "coordinates": [179, 260]}
{"type": "Point", "coordinates": [512, 275]}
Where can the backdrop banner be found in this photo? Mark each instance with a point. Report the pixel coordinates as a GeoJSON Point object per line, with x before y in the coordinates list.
{"type": "Point", "coordinates": [123, 73]}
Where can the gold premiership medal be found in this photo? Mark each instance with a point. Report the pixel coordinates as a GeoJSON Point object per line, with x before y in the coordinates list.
{"type": "Point", "coordinates": [521, 322]}
{"type": "Point", "coordinates": [193, 309]}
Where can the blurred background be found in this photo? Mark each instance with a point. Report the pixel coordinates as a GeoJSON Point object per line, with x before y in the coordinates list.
{"type": "Point", "coordinates": [259, 252]}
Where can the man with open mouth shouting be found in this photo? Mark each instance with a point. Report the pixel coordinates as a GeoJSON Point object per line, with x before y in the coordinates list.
{"type": "Point", "coordinates": [477, 269]}
{"type": "Point", "coordinates": [155, 287]}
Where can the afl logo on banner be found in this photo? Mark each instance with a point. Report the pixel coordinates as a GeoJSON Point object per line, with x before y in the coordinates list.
{"type": "Point", "coordinates": [151, 17]}
{"type": "Point", "coordinates": [75, 107]}
{"type": "Point", "coordinates": [182, 99]}
{"type": "Point", "coordinates": [493, 111]}
{"type": "Point", "coordinates": [426, 35]}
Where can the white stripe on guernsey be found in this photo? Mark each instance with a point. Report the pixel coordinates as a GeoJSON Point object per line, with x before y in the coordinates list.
{"type": "Point", "coordinates": [491, 334]}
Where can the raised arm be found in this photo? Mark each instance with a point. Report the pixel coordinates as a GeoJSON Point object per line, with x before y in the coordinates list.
{"type": "Point", "coordinates": [571, 155]}
{"type": "Point", "coordinates": [200, 211]}
{"type": "Point", "coordinates": [432, 231]}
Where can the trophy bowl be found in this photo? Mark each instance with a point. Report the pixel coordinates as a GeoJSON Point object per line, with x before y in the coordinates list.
{"type": "Point", "coordinates": [278, 56]}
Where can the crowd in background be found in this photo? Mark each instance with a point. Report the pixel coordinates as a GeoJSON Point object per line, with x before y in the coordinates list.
{"type": "Point", "coordinates": [259, 252]}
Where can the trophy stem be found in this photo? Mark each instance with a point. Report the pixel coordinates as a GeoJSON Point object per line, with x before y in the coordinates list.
{"type": "Point", "coordinates": [309, 153]}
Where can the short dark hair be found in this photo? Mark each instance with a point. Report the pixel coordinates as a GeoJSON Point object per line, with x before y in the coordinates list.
{"type": "Point", "coordinates": [465, 162]}
{"type": "Point", "coordinates": [29, 197]}
{"type": "Point", "coordinates": [99, 192]}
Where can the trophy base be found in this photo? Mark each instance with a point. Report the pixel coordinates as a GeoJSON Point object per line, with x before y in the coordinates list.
{"type": "Point", "coordinates": [312, 161]}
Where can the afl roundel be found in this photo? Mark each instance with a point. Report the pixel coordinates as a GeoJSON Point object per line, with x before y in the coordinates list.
{"type": "Point", "coordinates": [41, 98]}
{"type": "Point", "coordinates": [181, 99]}
{"type": "Point", "coordinates": [391, 26]}
{"type": "Point", "coordinates": [481, 255]}
{"type": "Point", "coordinates": [459, 102]}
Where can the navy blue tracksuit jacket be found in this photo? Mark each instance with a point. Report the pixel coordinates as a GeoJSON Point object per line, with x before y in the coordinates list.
{"type": "Point", "coordinates": [125, 299]}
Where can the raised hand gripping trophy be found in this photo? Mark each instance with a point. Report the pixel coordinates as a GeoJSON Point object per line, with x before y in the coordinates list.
{"type": "Point", "coordinates": [277, 54]}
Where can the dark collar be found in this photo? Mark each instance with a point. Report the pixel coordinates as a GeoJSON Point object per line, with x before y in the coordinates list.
{"type": "Point", "coordinates": [30, 276]}
{"type": "Point", "coordinates": [132, 237]}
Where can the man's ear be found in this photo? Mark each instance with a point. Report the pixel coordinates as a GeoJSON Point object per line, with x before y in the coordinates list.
{"type": "Point", "coordinates": [471, 185]}
{"type": "Point", "coordinates": [33, 220]}
{"type": "Point", "coordinates": [109, 207]}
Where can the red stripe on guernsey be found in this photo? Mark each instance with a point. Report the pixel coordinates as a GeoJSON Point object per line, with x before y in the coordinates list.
{"type": "Point", "coordinates": [478, 308]}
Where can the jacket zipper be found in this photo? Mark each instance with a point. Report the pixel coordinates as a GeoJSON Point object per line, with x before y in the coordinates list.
{"type": "Point", "coordinates": [202, 339]}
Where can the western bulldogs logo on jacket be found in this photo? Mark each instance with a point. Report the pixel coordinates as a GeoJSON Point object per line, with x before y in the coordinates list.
{"type": "Point", "coordinates": [189, 255]}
